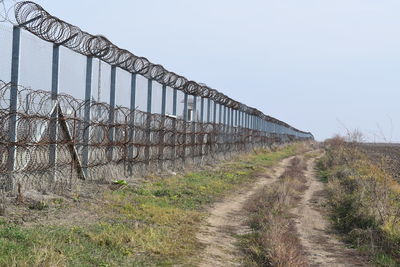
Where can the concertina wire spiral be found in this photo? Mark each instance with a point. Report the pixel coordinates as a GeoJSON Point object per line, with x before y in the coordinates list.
{"type": "Point", "coordinates": [39, 22]}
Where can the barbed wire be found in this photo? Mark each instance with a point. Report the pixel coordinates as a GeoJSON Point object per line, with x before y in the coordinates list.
{"type": "Point", "coordinates": [33, 18]}
{"type": "Point", "coordinates": [132, 138]}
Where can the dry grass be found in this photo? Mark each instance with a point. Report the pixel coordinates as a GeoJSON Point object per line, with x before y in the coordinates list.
{"type": "Point", "coordinates": [364, 201]}
{"type": "Point", "coordinates": [274, 240]}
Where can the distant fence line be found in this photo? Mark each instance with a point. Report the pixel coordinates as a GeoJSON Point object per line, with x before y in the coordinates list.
{"type": "Point", "coordinates": [61, 136]}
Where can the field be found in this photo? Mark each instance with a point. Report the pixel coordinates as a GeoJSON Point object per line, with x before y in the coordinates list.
{"type": "Point", "coordinates": [363, 203]}
{"type": "Point", "coordinates": [388, 155]}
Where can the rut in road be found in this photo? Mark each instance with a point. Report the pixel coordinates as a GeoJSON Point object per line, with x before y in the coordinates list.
{"type": "Point", "coordinates": [314, 229]}
{"type": "Point", "coordinates": [228, 218]}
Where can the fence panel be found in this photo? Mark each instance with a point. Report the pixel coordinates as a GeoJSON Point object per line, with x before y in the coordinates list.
{"type": "Point", "coordinates": [105, 113]}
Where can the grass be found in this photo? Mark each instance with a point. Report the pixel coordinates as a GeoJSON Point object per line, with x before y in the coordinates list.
{"type": "Point", "coordinates": [273, 241]}
{"type": "Point", "coordinates": [364, 202]}
{"type": "Point", "coordinates": [154, 224]}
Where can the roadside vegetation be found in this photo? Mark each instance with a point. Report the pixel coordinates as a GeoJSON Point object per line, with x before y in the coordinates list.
{"type": "Point", "coordinates": [148, 225]}
{"type": "Point", "coordinates": [273, 240]}
{"type": "Point", "coordinates": [363, 201]}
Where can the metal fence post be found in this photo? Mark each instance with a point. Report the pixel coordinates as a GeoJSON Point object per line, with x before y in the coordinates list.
{"type": "Point", "coordinates": [174, 101]}
{"type": "Point", "coordinates": [148, 121]}
{"type": "Point", "coordinates": [202, 110]}
{"type": "Point", "coordinates": [250, 122]}
{"type": "Point", "coordinates": [228, 127]}
{"type": "Point", "coordinates": [111, 121]}
{"type": "Point", "coordinates": [162, 132]}
{"type": "Point", "coordinates": [228, 115]}
{"type": "Point", "coordinates": [185, 107]}
{"type": "Point", "coordinates": [53, 127]}
{"type": "Point", "coordinates": [194, 119]}
{"type": "Point", "coordinates": [236, 117]}
{"type": "Point", "coordinates": [174, 107]}
{"type": "Point", "coordinates": [220, 114]}
{"type": "Point", "coordinates": [132, 123]}
{"type": "Point", "coordinates": [208, 110]}
{"type": "Point", "coordinates": [232, 117]}
{"type": "Point", "coordinates": [202, 127]}
{"type": "Point", "coordinates": [224, 115]}
{"type": "Point", "coordinates": [213, 138]}
{"type": "Point", "coordinates": [215, 113]}
{"type": "Point", "coordinates": [185, 119]}
{"type": "Point", "coordinates": [164, 100]}
{"type": "Point", "coordinates": [86, 133]}
{"type": "Point", "coordinates": [16, 45]}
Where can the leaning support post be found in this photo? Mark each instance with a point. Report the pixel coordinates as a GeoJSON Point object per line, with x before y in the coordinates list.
{"type": "Point", "coordinates": [86, 133]}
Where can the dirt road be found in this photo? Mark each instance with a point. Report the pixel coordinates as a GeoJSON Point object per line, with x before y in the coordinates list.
{"type": "Point", "coordinates": [228, 219]}
{"type": "Point", "coordinates": [314, 231]}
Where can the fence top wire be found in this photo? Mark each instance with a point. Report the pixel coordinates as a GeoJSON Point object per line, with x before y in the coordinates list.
{"type": "Point", "coordinates": [33, 18]}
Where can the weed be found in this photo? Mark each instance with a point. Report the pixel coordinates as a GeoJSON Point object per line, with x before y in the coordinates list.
{"type": "Point", "coordinates": [38, 205]}
{"type": "Point", "coordinates": [120, 182]}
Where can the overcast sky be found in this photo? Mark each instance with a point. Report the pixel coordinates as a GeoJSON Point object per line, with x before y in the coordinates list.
{"type": "Point", "coordinates": [321, 66]}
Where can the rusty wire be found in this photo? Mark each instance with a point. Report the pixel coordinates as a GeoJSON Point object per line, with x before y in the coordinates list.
{"type": "Point", "coordinates": [139, 137]}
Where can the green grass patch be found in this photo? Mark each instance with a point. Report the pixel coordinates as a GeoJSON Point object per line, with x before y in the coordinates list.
{"type": "Point", "coordinates": [154, 224]}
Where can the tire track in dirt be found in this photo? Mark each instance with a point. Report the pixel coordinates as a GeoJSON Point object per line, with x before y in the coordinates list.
{"type": "Point", "coordinates": [227, 218]}
{"type": "Point", "coordinates": [314, 230]}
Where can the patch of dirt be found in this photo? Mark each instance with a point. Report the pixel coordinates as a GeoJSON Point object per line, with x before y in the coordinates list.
{"type": "Point", "coordinates": [314, 229]}
{"type": "Point", "coordinates": [35, 208]}
{"type": "Point", "coordinates": [228, 218]}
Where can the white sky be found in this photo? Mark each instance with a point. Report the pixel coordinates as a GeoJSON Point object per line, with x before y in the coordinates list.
{"type": "Point", "coordinates": [319, 65]}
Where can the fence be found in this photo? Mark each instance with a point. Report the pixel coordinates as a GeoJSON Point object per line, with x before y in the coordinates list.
{"type": "Point", "coordinates": [49, 139]}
